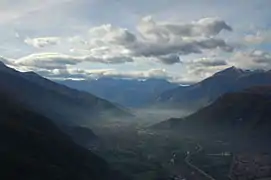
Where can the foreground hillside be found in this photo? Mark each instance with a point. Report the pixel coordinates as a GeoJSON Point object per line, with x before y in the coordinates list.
{"type": "Point", "coordinates": [245, 114]}
{"type": "Point", "coordinates": [32, 147]}
{"type": "Point", "coordinates": [58, 102]}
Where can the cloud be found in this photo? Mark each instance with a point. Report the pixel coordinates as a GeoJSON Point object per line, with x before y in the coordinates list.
{"type": "Point", "coordinates": [165, 31]}
{"type": "Point", "coordinates": [192, 73]}
{"type": "Point", "coordinates": [200, 68]}
{"type": "Point", "coordinates": [198, 73]}
{"type": "Point", "coordinates": [110, 34]}
{"type": "Point", "coordinates": [208, 62]}
{"type": "Point", "coordinates": [256, 59]}
{"type": "Point", "coordinates": [48, 61]}
{"type": "Point", "coordinates": [57, 70]}
{"type": "Point", "coordinates": [74, 73]}
{"type": "Point", "coordinates": [54, 65]}
{"type": "Point", "coordinates": [109, 60]}
{"type": "Point", "coordinates": [213, 43]}
{"type": "Point", "coordinates": [151, 73]}
{"type": "Point", "coordinates": [162, 41]}
{"type": "Point", "coordinates": [170, 59]}
{"type": "Point", "coordinates": [182, 47]}
{"type": "Point", "coordinates": [110, 44]}
{"type": "Point", "coordinates": [6, 61]}
{"type": "Point", "coordinates": [61, 61]}
{"type": "Point", "coordinates": [260, 37]}
{"type": "Point", "coordinates": [42, 41]}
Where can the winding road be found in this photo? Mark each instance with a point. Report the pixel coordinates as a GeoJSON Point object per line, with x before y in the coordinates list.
{"type": "Point", "coordinates": [188, 171]}
{"type": "Point", "coordinates": [201, 173]}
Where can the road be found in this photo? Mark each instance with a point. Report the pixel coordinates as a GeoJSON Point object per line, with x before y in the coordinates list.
{"type": "Point", "coordinates": [189, 171]}
{"type": "Point", "coordinates": [195, 168]}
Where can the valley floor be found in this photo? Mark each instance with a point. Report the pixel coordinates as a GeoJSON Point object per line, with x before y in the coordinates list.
{"type": "Point", "coordinates": [148, 155]}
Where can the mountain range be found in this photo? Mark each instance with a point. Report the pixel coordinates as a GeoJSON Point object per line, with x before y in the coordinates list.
{"type": "Point", "coordinates": [161, 93]}
{"type": "Point", "coordinates": [207, 91]}
{"type": "Point", "coordinates": [126, 92]}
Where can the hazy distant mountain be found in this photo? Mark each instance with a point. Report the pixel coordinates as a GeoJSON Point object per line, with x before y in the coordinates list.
{"type": "Point", "coordinates": [203, 93]}
{"type": "Point", "coordinates": [126, 92]}
{"type": "Point", "coordinates": [32, 147]}
{"type": "Point", "coordinates": [239, 114]}
{"type": "Point", "coordinates": [53, 100]}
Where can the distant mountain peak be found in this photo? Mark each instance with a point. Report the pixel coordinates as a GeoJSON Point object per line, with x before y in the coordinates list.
{"type": "Point", "coordinates": [5, 68]}
{"type": "Point", "coordinates": [228, 80]}
{"type": "Point", "coordinates": [231, 71]}
{"type": "Point", "coordinates": [156, 80]}
{"type": "Point", "coordinates": [2, 64]}
{"type": "Point", "coordinates": [32, 73]}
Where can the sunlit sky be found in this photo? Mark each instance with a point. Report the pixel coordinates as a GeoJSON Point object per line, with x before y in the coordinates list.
{"type": "Point", "coordinates": [179, 40]}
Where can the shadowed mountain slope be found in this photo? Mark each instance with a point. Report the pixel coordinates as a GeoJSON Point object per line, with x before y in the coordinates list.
{"type": "Point", "coordinates": [234, 115]}
{"type": "Point", "coordinates": [55, 101]}
{"type": "Point", "coordinates": [32, 147]}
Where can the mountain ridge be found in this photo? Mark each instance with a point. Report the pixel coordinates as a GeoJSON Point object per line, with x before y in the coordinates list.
{"type": "Point", "coordinates": [208, 90]}
{"type": "Point", "coordinates": [244, 114]}
{"type": "Point", "coordinates": [132, 93]}
{"type": "Point", "coordinates": [33, 147]}
{"type": "Point", "coordinates": [54, 100]}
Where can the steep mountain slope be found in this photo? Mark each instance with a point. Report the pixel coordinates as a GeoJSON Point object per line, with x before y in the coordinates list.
{"type": "Point", "coordinates": [126, 92]}
{"type": "Point", "coordinates": [239, 114]}
{"type": "Point", "coordinates": [53, 100]}
{"type": "Point", "coordinates": [208, 90]}
{"type": "Point", "coordinates": [32, 147]}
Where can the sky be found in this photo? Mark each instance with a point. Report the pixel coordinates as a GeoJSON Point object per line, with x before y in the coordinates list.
{"type": "Point", "coordinates": [178, 40]}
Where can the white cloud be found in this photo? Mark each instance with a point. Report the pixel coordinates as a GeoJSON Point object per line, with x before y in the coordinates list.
{"type": "Point", "coordinates": [74, 73]}
{"type": "Point", "coordinates": [109, 34]}
{"type": "Point", "coordinates": [42, 41]}
{"type": "Point", "coordinates": [200, 68]}
{"type": "Point", "coordinates": [54, 65]}
{"type": "Point", "coordinates": [109, 60]}
{"type": "Point", "coordinates": [6, 61]}
{"type": "Point", "coordinates": [208, 62]}
{"type": "Point", "coordinates": [48, 61]}
{"type": "Point", "coordinates": [64, 71]}
{"type": "Point", "coordinates": [170, 59]}
{"type": "Point", "coordinates": [258, 38]}
{"type": "Point", "coordinates": [165, 42]}
{"type": "Point", "coordinates": [61, 61]}
{"type": "Point", "coordinates": [163, 32]}
{"type": "Point", "coordinates": [195, 70]}
{"type": "Point", "coordinates": [256, 59]}
{"type": "Point", "coordinates": [181, 47]}
{"type": "Point", "coordinates": [110, 44]}
{"type": "Point", "coordinates": [151, 73]}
